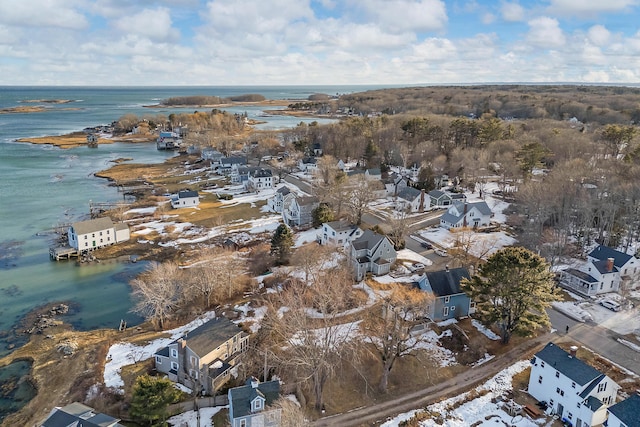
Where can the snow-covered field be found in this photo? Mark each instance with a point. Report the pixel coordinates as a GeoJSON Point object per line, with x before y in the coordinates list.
{"type": "Point", "coordinates": [481, 411]}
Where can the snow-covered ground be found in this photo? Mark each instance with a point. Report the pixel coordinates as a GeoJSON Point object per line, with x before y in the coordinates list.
{"type": "Point", "coordinates": [626, 321]}
{"type": "Point", "coordinates": [190, 418]}
{"type": "Point", "coordinates": [481, 411]}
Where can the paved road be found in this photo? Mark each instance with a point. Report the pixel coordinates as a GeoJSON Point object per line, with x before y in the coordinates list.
{"type": "Point", "coordinates": [301, 184]}
{"type": "Point", "coordinates": [599, 339]}
{"type": "Point", "coordinates": [374, 415]}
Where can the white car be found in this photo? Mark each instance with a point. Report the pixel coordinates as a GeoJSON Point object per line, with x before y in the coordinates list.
{"type": "Point", "coordinates": [611, 305]}
{"type": "Point", "coordinates": [441, 252]}
{"type": "Point", "coordinates": [418, 266]}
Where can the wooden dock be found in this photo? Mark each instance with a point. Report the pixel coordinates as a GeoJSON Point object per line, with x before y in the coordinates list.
{"type": "Point", "coordinates": [63, 252]}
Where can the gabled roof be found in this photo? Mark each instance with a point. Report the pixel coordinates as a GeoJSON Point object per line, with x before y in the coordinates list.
{"type": "Point", "coordinates": [186, 194]}
{"type": "Point", "coordinates": [368, 240]}
{"type": "Point", "coordinates": [208, 336]}
{"type": "Point", "coordinates": [306, 201]}
{"type": "Point", "coordinates": [436, 194]}
{"type": "Point", "coordinates": [445, 282]}
{"type": "Point", "coordinates": [262, 173]}
{"type": "Point", "coordinates": [571, 367]}
{"type": "Point", "coordinates": [309, 160]}
{"type": "Point", "coordinates": [234, 160]}
{"type": "Point", "coordinates": [92, 225]}
{"type": "Point", "coordinates": [409, 193]}
{"type": "Point", "coordinates": [604, 252]}
{"type": "Point", "coordinates": [601, 266]}
{"type": "Point", "coordinates": [79, 415]}
{"type": "Point", "coordinates": [341, 225]}
{"type": "Point", "coordinates": [628, 410]}
{"type": "Point", "coordinates": [284, 190]}
{"type": "Point", "coordinates": [241, 397]}
{"type": "Point", "coordinates": [582, 275]}
{"type": "Point", "coordinates": [449, 217]}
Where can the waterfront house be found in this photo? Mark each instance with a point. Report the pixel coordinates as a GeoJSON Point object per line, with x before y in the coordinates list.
{"type": "Point", "coordinates": [463, 214]}
{"type": "Point", "coordinates": [573, 390]}
{"type": "Point", "coordinates": [373, 253]}
{"type": "Point", "coordinates": [168, 141]}
{"type": "Point", "coordinates": [96, 233]}
{"type": "Point", "coordinates": [625, 413]}
{"type": "Point", "coordinates": [211, 154]}
{"type": "Point", "coordinates": [185, 199]}
{"type": "Point", "coordinates": [249, 405]}
{"type": "Point", "coordinates": [202, 359]}
{"type": "Point", "coordinates": [449, 301]}
{"type": "Point", "coordinates": [339, 233]}
{"type": "Point", "coordinates": [78, 415]}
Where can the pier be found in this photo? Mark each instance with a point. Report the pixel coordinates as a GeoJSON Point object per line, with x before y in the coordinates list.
{"type": "Point", "coordinates": [63, 252]}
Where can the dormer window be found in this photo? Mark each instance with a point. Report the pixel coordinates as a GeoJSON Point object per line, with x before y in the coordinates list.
{"type": "Point", "coordinates": [256, 405]}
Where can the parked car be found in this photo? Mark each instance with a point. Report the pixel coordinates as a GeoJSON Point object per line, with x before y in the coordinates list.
{"type": "Point", "coordinates": [418, 266]}
{"type": "Point", "coordinates": [426, 245]}
{"type": "Point", "coordinates": [441, 252]}
{"type": "Point", "coordinates": [611, 305]}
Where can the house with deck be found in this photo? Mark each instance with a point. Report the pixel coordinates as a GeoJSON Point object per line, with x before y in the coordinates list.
{"type": "Point", "coordinates": [96, 233]}
{"type": "Point", "coordinates": [276, 202]}
{"type": "Point", "coordinates": [625, 413]}
{"type": "Point", "coordinates": [449, 301]}
{"type": "Point", "coordinates": [466, 214]}
{"type": "Point", "coordinates": [372, 253]}
{"type": "Point", "coordinates": [297, 211]}
{"type": "Point", "coordinates": [573, 390]}
{"type": "Point", "coordinates": [251, 405]}
{"type": "Point", "coordinates": [78, 415]}
{"type": "Point", "coordinates": [202, 359]}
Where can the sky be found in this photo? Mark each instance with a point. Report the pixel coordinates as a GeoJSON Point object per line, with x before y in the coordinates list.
{"type": "Point", "coordinates": [317, 42]}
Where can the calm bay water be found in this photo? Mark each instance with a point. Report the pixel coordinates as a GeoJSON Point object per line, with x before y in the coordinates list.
{"type": "Point", "coordinates": [43, 186]}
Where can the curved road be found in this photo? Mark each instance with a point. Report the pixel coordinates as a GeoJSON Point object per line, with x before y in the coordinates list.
{"type": "Point", "coordinates": [375, 415]}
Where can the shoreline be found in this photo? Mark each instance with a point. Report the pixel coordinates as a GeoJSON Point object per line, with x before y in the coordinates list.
{"type": "Point", "coordinates": [79, 139]}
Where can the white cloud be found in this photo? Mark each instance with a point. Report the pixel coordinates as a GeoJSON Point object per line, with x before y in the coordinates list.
{"type": "Point", "coordinates": [256, 16]}
{"type": "Point", "coordinates": [589, 7]}
{"type": "Point", "coordinates": [435, 49]}
{"type": "Point", "coordinates": [405, 15]}
{"type": "Point", "coordinates": [488, 18]}
{"type": "Point", "coordinates": [599, 76]}
{"type": "Point", "coordinates": [599, 35]}
{"type": "Point", "coordinates": [42, 13]}
{"type": "Point", "coordinates": [512, 12]}
{"type": "Point", "coordinates": [154, 24]}
{"type": "Point", "coordinates": [545, 32]}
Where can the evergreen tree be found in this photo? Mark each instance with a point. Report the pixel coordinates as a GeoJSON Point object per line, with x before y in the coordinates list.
{"type": "Point", "coordinates": [512, 290]}
{"type": "Point", "coordinates": [323, 213]}
{"type": "Point", "coordinates": [151, 397]}
{"type": "Point", "coordinates": [281, 243]}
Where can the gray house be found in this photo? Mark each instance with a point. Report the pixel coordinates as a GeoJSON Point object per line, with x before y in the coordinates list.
{"type": "Point", "coordinates": [79, 415]}
{"type": "Point", "coordinates": [299, 212]}
{"type": "Point", "coordinates": [203, 358]}
{"type": "Point", "coordinates": [249, 404]}
{"type": "Point", "coordinates": [449, 302]}
{"type": "Point", "coordinates": [373, 253]}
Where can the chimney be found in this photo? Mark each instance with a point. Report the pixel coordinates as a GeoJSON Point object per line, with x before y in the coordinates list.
{"type": "Point", "coordinates": [573, 351]}
{"type": "Point", "coordinates": [464, 215]}
{"type": "Point", "coordinates": [183, 342]}
{"type": "Point", "coordinates": [254, 382]}
{"type": "Point", "coordinates": [609, 265]}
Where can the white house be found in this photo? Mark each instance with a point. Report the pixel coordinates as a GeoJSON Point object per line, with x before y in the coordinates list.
{"type": "Point", "coordinates": [96, 233]}
{"type": "Point", "coordinates": [459, 214]}
{"type": "Point", "coordinates": [411, 200]}
{"type": "Point", "coordinates": [627, 265]}
{"type": "Point", "coordinates": [259, 179]}
{"type": "Point", "coordinates": [625, 413]}
{"type": "Point", "coordinates": [373, 253]}
{"type": "Point", "coordinates": [339, 233]}
{"type": "Point", "coordinates": [573, 390]}
{"type": "Point", "coordinates": [308, 165]}
{"type": "Point", "coordinates": [592, 277]}
{"type": "Point", "coordinates": [210, 153]}
{"type": "Point", "coordinates": [276, 202]}
{"type": "Point", "coordinates": [185, 199]}
{"type": "Point", "coordinates": [250, 405]}
{"type": "Point", "coordinates": [224, 165]}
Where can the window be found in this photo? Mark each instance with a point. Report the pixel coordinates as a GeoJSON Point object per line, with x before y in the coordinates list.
{"type": "Point", "coordinates": [557, 374]}
{"type": "Point", "coordinates": [570, 415]}
{"type": "Point", "coordinates": [85, 237]}
{"type": "Point", "coordinates": [579, 404]}
{"type": "Point", "coordinates": [174, 366]}
{"type": "Point", "coordinates": [551, 402]}
{"type": "Point", "coordinates": [573, 385]}
{"type": "Point", "coordinates": [447, 299]}
{"type": "Point", "coordinates": [194, 361]}
{"type": "Point", "coordinates": [101, 233]}
{"type": "Point", "coordinates": [193, 373]}
{"type": "Point", "coordinates": [542, 364]}
{"type": "Point", "coordinates": [453, 308]}
{"type": "Point", "coordinates": [174, 353]}
{"type": "Point", "coordinates": [445, 311]}
{"type": "Point", "coordinates": [158, 360]}
{"type": "Point", "coordinates": [602, 387]}
{"type": "Point", "coordinates": [243, 423]}
{"type": "Point", "coordinates": [93, 234]}
{"type": "Point", "coordinates": [540, 379]}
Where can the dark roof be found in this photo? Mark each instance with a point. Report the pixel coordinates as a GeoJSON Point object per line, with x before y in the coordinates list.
{"type": "Point", "coordinates": [262, 173]}
{"type": "Point", "coordinates": [242, 396]}
{"type": "Point", "coordinates": [453, 219]}
{"type": "Point", "coordinates": [581, 274]}
{"type": "Point", "coordinates": [571, 367]}
{"type": "Point", "coordinates": [283, 190]}
{"type": "Point", "coordinates": [436, 194]}
{"type": "Point", "coordinates": [234, 160]}
{"type": "Point", "coordinates": [164, 351]}
{"type": "Point", "coordinates": [374, 171]}
{"type": "Point", "coordinates": [591, 386]}
{"type": "Point", "coordinates": [187, 193]}
{"type": "Point", "coordinates": [341, 225]}
{"type": "Point", "coordinates": [205, 338]}
{"type": "Point", "coordinates": [79, 415]}
{"type": "Point", "coordinates": [604, 252]}
{"type": "Point", "coordinates": [368, 240]}
{"type": "Point", "coordinates": [446, 282]}
{"type": "Point", "coordinates": [309, 160]}
{"type": "Point", "coordinates": [409, 193]}
{"type": "Point", "coordinates": [307, 201]}
{"type": "Point", "coordinates": [628, 410]}
{"type": "Point", "coordinates": [217, 368]}
{"type": "Point", "coordinates": [593, 403]}
{"type": "Point", "coordinates": [601, 266]}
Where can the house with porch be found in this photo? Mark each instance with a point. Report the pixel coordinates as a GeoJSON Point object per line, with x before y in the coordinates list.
{"type": "Point", "coordinates": [202, 359]}
{"type": "Point", "coordinates": [78, 415]}
{"type": "Point", "coordinates": [625, 413]}
{"type": "Point", "coordinates": [250, 405]}
{"type": "Point", "coordinates": [96, 233]}
{"type": "Point", "coordinates": [449, 301]}
{"type": "Point", "coordinates": [339, 233]}
{"type": "Point", "coordinates": [627, 265]}
{"type": "Point", "coordinates": [185, 199]}
{"type": "Point", "coordinates": [464, 214]}
{"type": "Point", "coordinates": [297, 211]}
{"type": "Point", "coordinates": [372, 252]}
{"type": "Point", "coordinates": [573, 390]}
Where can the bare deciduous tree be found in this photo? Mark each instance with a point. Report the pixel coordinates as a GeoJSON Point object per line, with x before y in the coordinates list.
{"type": "Point", "coordinates": [158, 292]}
